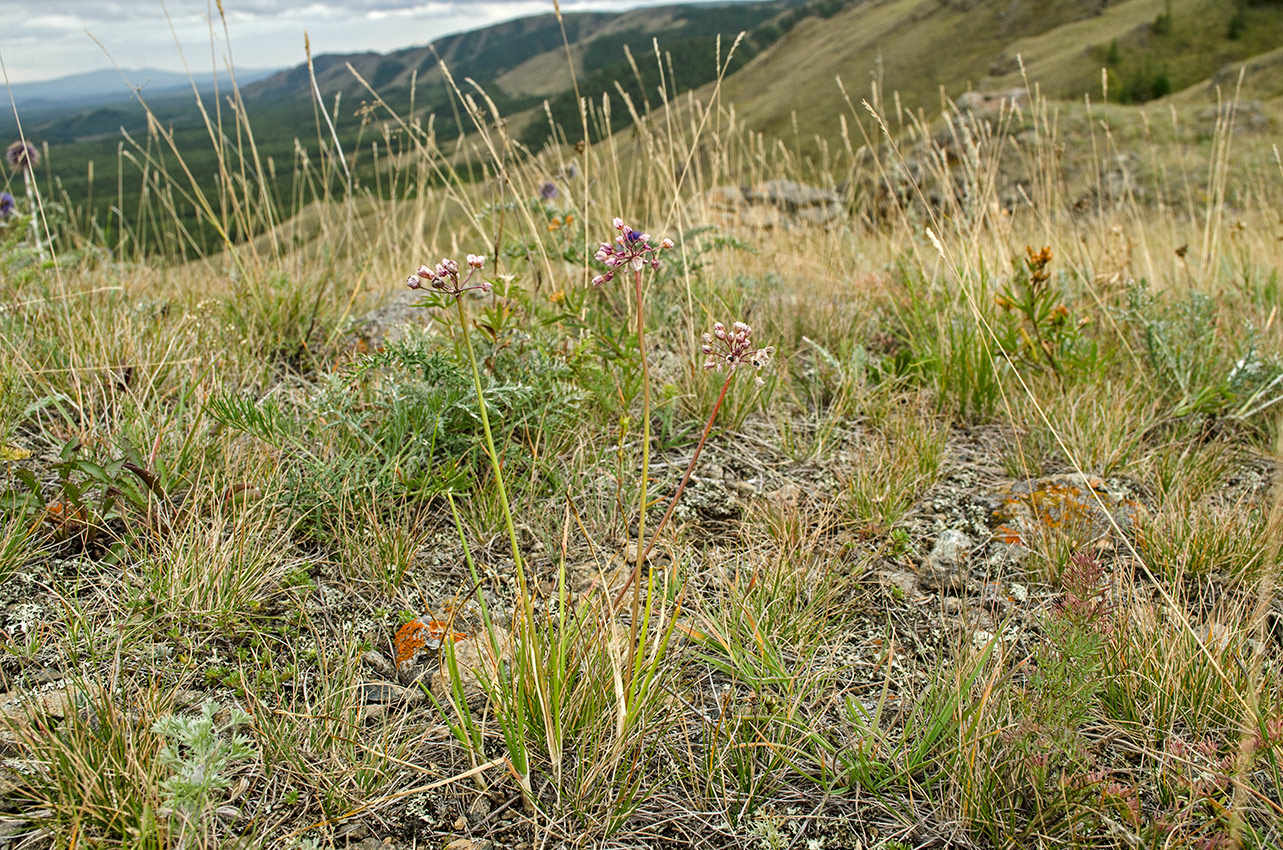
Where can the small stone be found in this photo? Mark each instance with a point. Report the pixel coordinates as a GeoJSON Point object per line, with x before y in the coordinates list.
{"type": "Point", "coordinates": [902, 582]}
{"type": "Point", "coordinates": [949, 564]}
{"type": "Point", "coordinates": [43, 676]}
{"type": "Point", "coordinates": [657, 554]}
{"type": "Point", "coordinates": [468, 844]}
{"type": "Point", "coordinates": [1007, 556]}
{"type": "Point", "coordinates": [788, 495]}
{"type": "Point", "coordinates": [376, 661]}
{"type": "Point", "coordinates": [994, 598]}
{"type": "Point", "coordinates": [55, 702]}
{"type": "Point", "coordinates": [386, 693]}
{"type": "Point", "coordinates": [352, 831]}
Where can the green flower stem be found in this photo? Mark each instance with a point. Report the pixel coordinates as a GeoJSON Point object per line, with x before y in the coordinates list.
{"type": "Point", "coordinates": [634, 578]}
{"type": "Point", "coordinates": [494, 461]}
{"type": "Point", "coordinates": [514, 729]}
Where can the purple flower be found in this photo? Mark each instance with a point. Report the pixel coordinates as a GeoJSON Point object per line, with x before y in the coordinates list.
{"type": "Point", "coordinates": [548, 191]}
{"type": "Point", "coordinates": [6, 205]}
{"type": "Point", "coordinates": [632, 248]}
{"type": "Point", "coordinates": [734, 348]}
{"type": "Point", "coordinates": [22, 156]}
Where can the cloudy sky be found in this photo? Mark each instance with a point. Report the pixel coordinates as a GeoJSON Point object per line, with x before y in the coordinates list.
{"type": "Point", "coordinates": [54, 38]}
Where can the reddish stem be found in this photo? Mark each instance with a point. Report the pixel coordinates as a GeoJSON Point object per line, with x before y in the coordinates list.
{"type": "Point", "coordinates": [690, 467]}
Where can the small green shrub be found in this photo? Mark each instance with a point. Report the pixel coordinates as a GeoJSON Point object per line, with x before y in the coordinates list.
{"type": "Point", "coordinates": [200, 753]}
{"type": "Point", "coordinates": [401, 423]}
{"type": "Point", "coordinates": [1198, 365]}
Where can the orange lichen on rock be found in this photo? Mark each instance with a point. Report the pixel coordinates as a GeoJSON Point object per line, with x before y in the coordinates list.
{"type": "Point", "coordinates": [1075, 504]}
{"type": "Point", "coordinates": [418, 635]}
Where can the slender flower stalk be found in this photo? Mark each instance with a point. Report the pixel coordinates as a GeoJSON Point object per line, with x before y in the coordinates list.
{"type": "Point", "coordinates": [726, 351]}
{"type": "Point", "coordinates": [444, 278]}
{"type": "Point", "coordinates": [23, 158]}
{"type": "Point", "coordinates": [632, 249]}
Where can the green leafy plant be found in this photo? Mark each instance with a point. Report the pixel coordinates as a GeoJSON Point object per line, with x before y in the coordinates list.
{"type": "Point", "coordinates": [1198, 365]}
{"type": "Point", "coordinates": [1038, 328]}
{"type": "Point", "coordinates": [200, 753]}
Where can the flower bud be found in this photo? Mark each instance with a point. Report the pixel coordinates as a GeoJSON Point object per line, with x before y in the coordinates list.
{"type": "Point", "coordinates": [666, 244]}
{"type": "Point", "coordinates": [414, 282]}
{"type": "Point", "coordinates": [476, 260]}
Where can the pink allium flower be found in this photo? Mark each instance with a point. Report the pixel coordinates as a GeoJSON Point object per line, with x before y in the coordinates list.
{"type": "Point", "coordinates": [734, 348]}
{"type": "Point", "coordinates": [631, 249]}
{"type": "Point", "coordinates": [445, 277]}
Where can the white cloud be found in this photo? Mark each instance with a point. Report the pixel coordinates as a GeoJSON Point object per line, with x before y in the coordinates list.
{"type": "Point", "coordinates": [264, 33]}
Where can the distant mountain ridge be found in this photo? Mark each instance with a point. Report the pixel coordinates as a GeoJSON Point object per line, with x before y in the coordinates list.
{"type": "Point", "coordinates": [781, 79]}
{"type": "Point", "coordinates": [93, 87]}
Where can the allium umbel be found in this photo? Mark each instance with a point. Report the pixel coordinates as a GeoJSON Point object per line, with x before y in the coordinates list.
{"type": "Point", "coordinates": [632, 249]}
{"type": "Point", "coordinates": [445, 277]}
{"type": "Point", "coordinates": [734, 348]}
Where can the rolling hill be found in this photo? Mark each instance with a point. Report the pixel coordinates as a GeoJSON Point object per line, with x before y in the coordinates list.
{"type": "Point", "coordinates": [783, 77]}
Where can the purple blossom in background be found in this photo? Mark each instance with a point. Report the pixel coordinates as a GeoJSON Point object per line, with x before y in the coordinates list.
{"type": "Point", "coordinates": [22, 156]}
{"type": "Point", "coordinates": [632, 248]}
{"type": "Point", "coordinates": [548, 191]}
{"type": "Point", "coordinates": [6, 205]}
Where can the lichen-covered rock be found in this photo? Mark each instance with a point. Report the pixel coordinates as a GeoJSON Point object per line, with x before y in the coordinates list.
{"type": "Point", "coordinates": [1084, 506]}
{"type": "Point", "coordinates": [417, 645]}
{"type": "Point", "coordinates": [949, 564]}
{"type": "Point", "coordinates": [771, 204]}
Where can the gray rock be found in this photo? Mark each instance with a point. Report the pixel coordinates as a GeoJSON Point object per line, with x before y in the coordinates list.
{"type": "Point", "coordinates": [789, 195]}
{"type": "Point", "coordinates": [773, 203]}
{"type": "Point", "coordinates": [388, 318]}
{"type": "Point", "coordinates": [386, 693]}
{"type": "Point", "coordinates": [949, 564]}
{"type": "Point", "coordinates": [379, 664]}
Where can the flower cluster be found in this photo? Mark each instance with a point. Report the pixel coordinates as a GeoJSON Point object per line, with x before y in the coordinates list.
{"type": "Point", "coordinates": [6, 205]}
{"type": "Point", "coordinates": [22, 156]}
{"type": "Point", "coordinates": [445, 277]}
{"type": "Point", "coordinates": [632, 248]}
{"type": "Point", "coordinates": [734, 348]}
